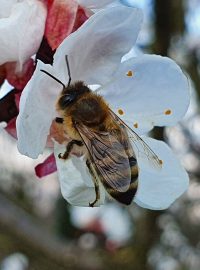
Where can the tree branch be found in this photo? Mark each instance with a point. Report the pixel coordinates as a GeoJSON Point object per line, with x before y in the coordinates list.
{"type": "Point", "coordinates": [23, 226]}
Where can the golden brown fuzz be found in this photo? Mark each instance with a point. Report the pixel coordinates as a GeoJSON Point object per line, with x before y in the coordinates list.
{"type": "Point", "coordinates": [110, 159]}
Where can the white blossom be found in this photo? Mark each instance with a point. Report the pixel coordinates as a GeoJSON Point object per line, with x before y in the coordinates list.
{"type": "Point", "coordinates": [145, 91]}
{"type": "Point", "coordinates": [22, 26]}
{"type": "Point", "coordinates": [94, 4]}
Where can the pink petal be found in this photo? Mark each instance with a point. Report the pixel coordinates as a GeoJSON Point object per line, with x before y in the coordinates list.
{"type": "Point", "coordinates": [11, 128]}
{"type": "Point", "coordinates": [19, 79]}
{"type": "Point", "coordinates": [49, 3]}
{"type": "Point", "coordinates": [45, 52]}
{"type": "Point", "coordinates": [60, 21]}
{"type": "Point", "coordinates": [17, 99]}
{"type": "Point", "coordinates": [47, 167]}
{"type": "Point", "coordinates": [81, 17]}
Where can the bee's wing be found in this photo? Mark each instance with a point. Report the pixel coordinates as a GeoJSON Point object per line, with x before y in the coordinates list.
{"type": "Point", "coordinates": [109, 157]}
{"type": "Point", "coordinates": [139, 146]}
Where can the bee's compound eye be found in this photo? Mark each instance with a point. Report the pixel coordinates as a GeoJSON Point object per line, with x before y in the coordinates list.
{"type": "Point", "coordinates": [66, 99]}
{"type": "Point", "coordinates": [59, 120]}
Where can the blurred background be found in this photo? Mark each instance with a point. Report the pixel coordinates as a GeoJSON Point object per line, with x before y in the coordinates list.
{"type": "Point", "coordinates": [39, 230]}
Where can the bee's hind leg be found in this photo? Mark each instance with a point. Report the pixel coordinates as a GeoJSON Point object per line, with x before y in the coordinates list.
{"type": "Point", "coordinates": [95, 180]}
{"type": "Point", "coordinates": [69, 148]}
{"type": "Point", "coordinates": [96, 185]}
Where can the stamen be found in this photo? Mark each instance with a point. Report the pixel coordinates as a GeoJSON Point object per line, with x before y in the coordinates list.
{"type": "Point", "coordinates": [168, 112]}
{"type": "Point", "coordinates": [160, 161]}
{"type": "Point", "coordinates": [135, 125]}
{"type": "Point", "coordinates": [120, 111]}
{"type": "Point", "coordinates": [129, 73]}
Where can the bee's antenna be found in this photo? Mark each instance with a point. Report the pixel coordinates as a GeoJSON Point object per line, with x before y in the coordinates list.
{"type": "Point", "coordinates": [68, 69]}
{"type": "Point", "coordinates": [52, 77]}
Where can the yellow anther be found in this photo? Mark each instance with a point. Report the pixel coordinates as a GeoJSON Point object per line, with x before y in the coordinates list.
{"type": "Point", "coordinates": [129, 73]}
{"type": "Point", "coordinates": [160, 161]}
{"type": "Point", "coordinates": [135, 125]}
{"type": "Point", "coordinates": [120, 111]}
{"type": "Point", "coordinates": [168, 112]}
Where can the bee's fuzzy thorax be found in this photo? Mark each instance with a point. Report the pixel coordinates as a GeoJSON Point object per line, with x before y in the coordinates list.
{"type": "Point", "coordinates": [91, 110]}
{"type": "Point", "coordinates": [88, 108]}
{"type": "Point", "coordinates": [82, 104]}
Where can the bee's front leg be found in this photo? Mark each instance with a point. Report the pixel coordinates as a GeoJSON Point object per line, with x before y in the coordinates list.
{"type": "Point", "coordinates": [95, 180]}
{"type": "Point", "coordinates": [69, 148]}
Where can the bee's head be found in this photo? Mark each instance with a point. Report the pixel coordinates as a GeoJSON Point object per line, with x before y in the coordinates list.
{"type": "Point", "coordinates": [71, 94]}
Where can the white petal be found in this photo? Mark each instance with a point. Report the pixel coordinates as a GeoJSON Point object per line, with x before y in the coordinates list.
{"type": "Point", "coordinates": [6, 7]}
{"type": "Point", "coordinates": [37, 110]}
{"type": "Point", "coordinates": [128, 3]}
{"type": "Point", "coordinates": [94, 3]}
{"type": "Point", "coordinates": [2, 125]}
{"type": "Point", "coordinates": [158, 189]}
{"type": "Point", "coordinates": [157, 94]}
{"type": "Point", "coordinates": [21, 32]}
{"type": "Point", "coordinates": [96, 48]}
{"type": "Point", "coordinates": [75, 181]}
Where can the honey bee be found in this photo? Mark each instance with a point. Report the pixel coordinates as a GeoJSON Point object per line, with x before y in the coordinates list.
{"type": "Point", "coordinates": [105, 138]}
